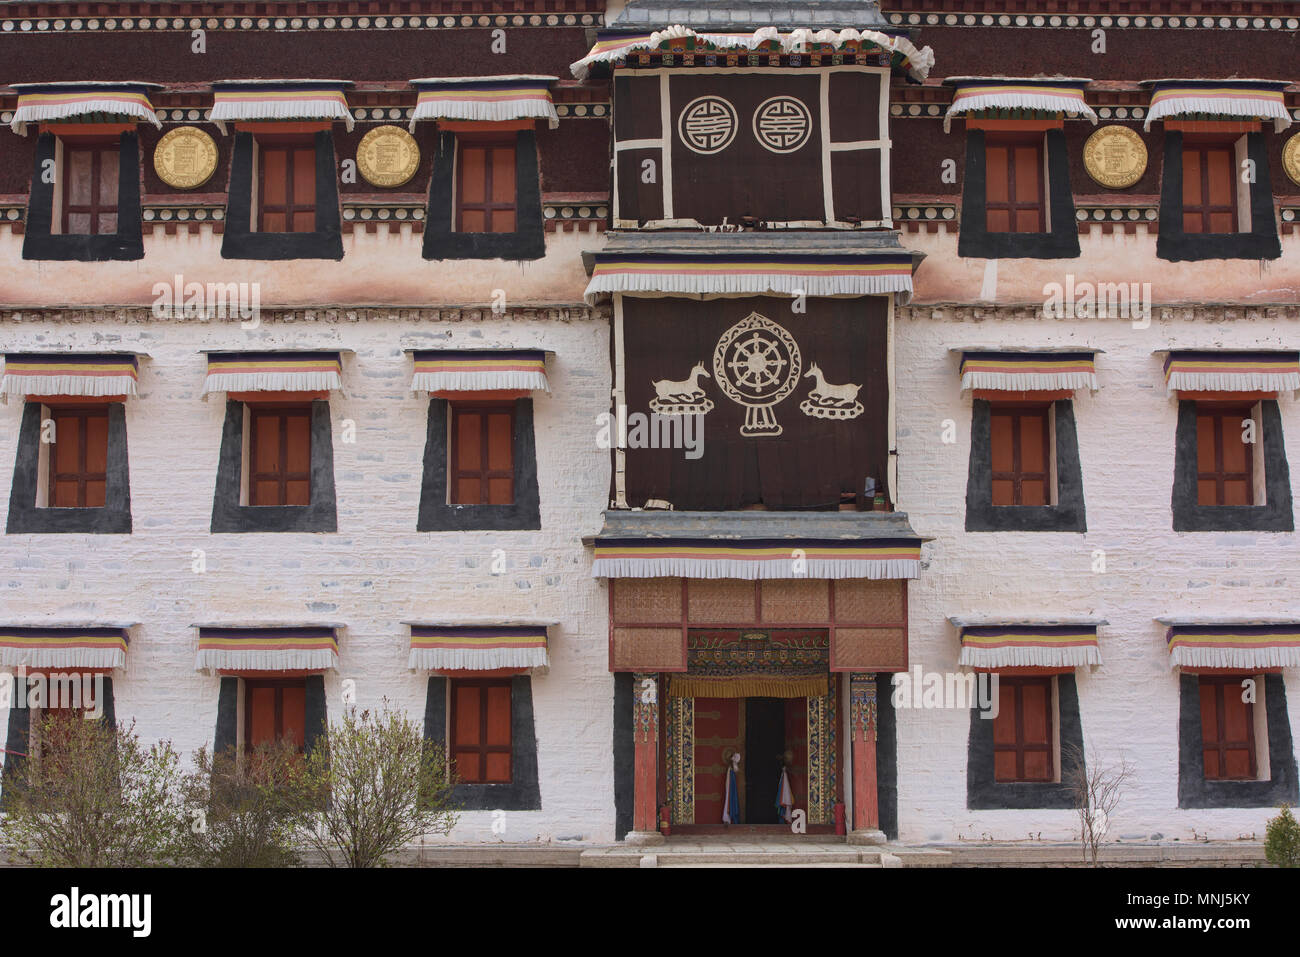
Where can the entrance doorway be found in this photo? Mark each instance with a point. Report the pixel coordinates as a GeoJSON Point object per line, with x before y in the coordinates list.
{"type": "Point", "coordinates": [769, 733]}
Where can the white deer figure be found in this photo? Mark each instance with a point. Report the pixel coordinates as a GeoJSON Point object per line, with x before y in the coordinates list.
{"type": "Point", "coordinates": [845, 394]}
{"type": "Point", "coordinates": [669, 389]}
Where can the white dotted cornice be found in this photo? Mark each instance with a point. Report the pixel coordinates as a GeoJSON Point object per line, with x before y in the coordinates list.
{"type": "Point", "coordinates": [34, 25]}
{"type": "Point", "coordinates": [1089, 22]}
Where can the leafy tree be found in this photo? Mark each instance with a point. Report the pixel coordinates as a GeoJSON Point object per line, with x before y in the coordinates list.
{"type": "Point", "coordinates": [1282, 840]}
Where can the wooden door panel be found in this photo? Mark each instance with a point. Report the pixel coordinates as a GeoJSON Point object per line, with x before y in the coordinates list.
{"type": "Point", "coordinates": [717, 728]}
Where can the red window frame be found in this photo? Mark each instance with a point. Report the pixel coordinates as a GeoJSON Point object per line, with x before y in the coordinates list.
{"type": "Point", "coordinates": [90, 477]}
{"type": "Point", "coordinates": [1015, 717]}
{"type": "Point", "coordinates": [261, 472]}
{"type": "Point", "coordinates": [1221, 418]}
{"type": "Point", "coordinates": [101, 151]}
{"type": "Point", "coordinates": [281, 716]}
{"type": "Point", "coordinates": [492, 209]}
{"type": "Point", "coordinates": [1023, 421]}
{"type": "Point", "coordinates": [463, 478]}
{"type": "Point", "coordinates": [1199, 214]}
{"type": "Point", "coordinates": [481, 749]}
{"type": "Point", "coordinates": [1017, 154]}
{"type": "Point", "coordinates": [1218, 695]}
{"type": "Point", "coordinates": [299, 213]}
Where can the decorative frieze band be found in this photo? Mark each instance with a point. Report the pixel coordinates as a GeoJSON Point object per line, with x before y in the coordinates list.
{"type": "Point", "coordinates": [1087, 22]}
{"type": "Point", "coordinates": [329, 314]}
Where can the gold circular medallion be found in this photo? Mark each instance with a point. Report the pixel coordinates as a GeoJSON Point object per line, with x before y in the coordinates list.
{"type": "Point", "coordinates": [388, 156]}
{"type": "Point", "coordinates": [1291, 158]}
{"type": "Point", "coordinates": [185, 158]}
{"type": "Point", "coordinates": [1115, 157]}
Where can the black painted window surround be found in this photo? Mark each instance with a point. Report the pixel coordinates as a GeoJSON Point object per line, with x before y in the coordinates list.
{"type": "Point", "coordinates": [1275, 515]}
{"type": "Point", "coordinates": [1067, 515]}
{"type": "Point", "coordinates": [18, 737]}
{"type": "Point", "coordinates": [227, 738]}
{"type": "Point", "coordinates": [41, 242]}
{"type": "Point", "coordinates": [1177, 246]}
{"type": "Point", "coordinates": [974, 241]}
{"type": "Point", "coordinates": [113, 518]}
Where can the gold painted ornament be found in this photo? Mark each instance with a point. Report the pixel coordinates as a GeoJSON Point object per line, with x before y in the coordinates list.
{"type": "Point", "coordinates": [388, 156]}
{"type": "Point", "coordinates": [1291, 158]}
{"type": "Point", "coordinates": [1115, 157]}
{"type": "Point", "coordinates": [185, 158]}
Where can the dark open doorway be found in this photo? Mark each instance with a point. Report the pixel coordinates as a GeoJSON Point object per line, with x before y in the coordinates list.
{"type": "Point", "coordinates": [764, 750]}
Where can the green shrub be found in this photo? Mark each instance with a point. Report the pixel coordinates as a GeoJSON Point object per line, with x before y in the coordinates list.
{"type": "Point", "coordinates": [1282, 840]}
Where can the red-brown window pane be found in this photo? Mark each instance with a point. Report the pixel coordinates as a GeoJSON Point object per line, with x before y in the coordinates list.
{"type": "Point", "coordinates": [90, 178]}
{"type": "Point", "coordinates": [1227, 730]}
{"type": "Point", "coordinates": [480, 731]}
{"type": "Point", "coordinates": [280, 442]}
{"type": "Point", "coordinates": [79, 458]}
{"type": "Point", "coordinates": [286, 187]}
{"type": "Point", "coordinates": [482, 454]}
{"type": "Point", "coordinates": [486, 195]}
{"type": "Point", "coordinates": [275, 710]}
{"type": "Point", "coordinates": [1225, 464]}
{"type": "Point", "coordinates": [1020, 446]}
{"type": "Point", "coordinates": [1022, 731]}
{"type": "Point", "coordinates": [1014, 200]}
{"type": "Point", "coordinates": [1209, 188]}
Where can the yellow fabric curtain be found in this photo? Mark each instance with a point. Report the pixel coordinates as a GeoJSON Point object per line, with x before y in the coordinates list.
{"type": "Point", "coordinates": [756, 686]}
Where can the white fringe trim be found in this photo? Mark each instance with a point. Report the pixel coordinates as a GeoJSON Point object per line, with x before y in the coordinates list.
{"type": "Point", "coordinates": [1245, 108]}
{"type": "Point", "coordinates": [1206, 657]}
{"type": "Point", "coordinates": [499, 112]}
{"type": "Point", "coordinates": [920, 61]}
{"type": "Point", "coordinates": [66, 385]}
{"type": "Point", "coordinates": [727, 284]}
{"type": "Point", "coordinates": [1029, 657]}
{"type": "Point", "coordinates": [222, 113]}
{"type": "Point", "coordinates": [475, 381]}
{"type": "Point", "coordinates": [272, 382]}
{"type": "Point", "coordinates": [476, 659]}
{"type": "Point", "coordinates": [752, 571]}
{"type": "Point", "coordinates": [226, 659]}
{"type": "Point", "coordinates": [1233, 381]}
{"type": "Point", "coordinates": [1028, 381]}
{"type": "Point", "coordinates": [1025, 101]}
{"type": "Point", "coordinates": [36, 113]}
{"type": "Point", "coordinates": [63, 657]}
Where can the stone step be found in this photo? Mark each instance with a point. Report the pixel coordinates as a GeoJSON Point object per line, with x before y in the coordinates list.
{"type": "Point", "coordinates": [753, 856]}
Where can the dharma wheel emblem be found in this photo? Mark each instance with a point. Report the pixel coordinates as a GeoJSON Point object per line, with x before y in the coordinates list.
{"type": "Point", "coordinates": [782, 124]}
{"type": "Point", "coordinates": [707, 124]}
{"type": "Point", "coordinates": [757, 364]}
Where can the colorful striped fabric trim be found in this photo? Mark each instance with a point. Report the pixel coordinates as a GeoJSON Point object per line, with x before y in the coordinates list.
{"type": "Point", "coordinates": [831, 275]}
{"type": "Point", "coordinates": [485, 99]}
{"type": "Point", "coordinates": [615, 48]}
{"type": "Point", "coordinates": [971, 96]}
{"type": "Point", "coordinates": [273, 372]}
{"type": "Point", "coordinates": [469, 370]}
{"type": "Point", "coordinates": [69, 374]}
{"type": "Point", "coordinates": [758, 559]}
{"type": "Point", "coordinates": [1234, 646]}
{"type": "Point", "coordinates": [63, 102]}
{"type": "Point", "coordinates": [1017, 646]}
{"type": "Point", "coordinates": [1232, 371]}
{"type": "Point", "coordinates": [279, 101]}
{"type": "Point", "coordinates": [1028, 371]}
{"type": "Point", "coordinates": [477, 647]}
{"type": "Point", "coordinates": [267, 649]}
{"type": "Point", "coordinates": [1243, 99]}
{"type": "Point", "coordinates": [64, 647]}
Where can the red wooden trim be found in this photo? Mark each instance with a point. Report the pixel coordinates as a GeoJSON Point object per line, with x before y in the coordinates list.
{"type": "Point", "coordinates": [278, 398]}
{"type": "Point", "coordinates": [485, 126]}
{"type": "Point", "coordinates": [1028, 395]}
{"type": "Point", "coordinates": [464, 674]}
{"type": "Point", "coordinates": [1026, 671]}
{"type": "Point", "coordinates": [1214, 126]}
{"type": "Point", "coordinates": [59, 401]}
{"type": "Point", "coordinates": [1229, 672]}
{"type": "Point", "coordinates": [256, 675]}
{"type": "Point", "coordinates": [612, 583]}
{"type": "Point", "coordinates": [1014, 126]}
{"type": "Point", "coordinates": [480, 395]}
{"type": "Point", "coordinates": [87, 129]}
{"type": "Point", "coordinates": [1225, 396]}
{"type": "Point", "coordinates": [265, 126]}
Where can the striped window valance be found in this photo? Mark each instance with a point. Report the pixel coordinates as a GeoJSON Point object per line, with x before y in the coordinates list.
{"type": "Point", "coordinates": [755, 559]}
{"type": "Point", "coordinates": [492, 99]}
{"type": "Point", "coordinates": [1028, 371]}
{"type": "Point", "coordinates": [235, 100]}
{"type": "Point", "coordinates": [1234, 646]}
{"type": "Point", "coordinates": [828, 275]}
{"type": "Point", "coordinates": [267, 649]}
{"type": "Point", "coordinates": [974, 94]}
{"type": "Point", "coordinates": [273, 372]}
{"type": "Point", "coordinates": [1018, 646]}
{"type": "Point", "coordinates": [46, 102]}
{"type": "Point", "coordinates": [615, 48]}
{"type": "Point", "coordinates": [473, 370]}
{"type": "Point", "coordinates": [1215, 99]}
{"type": "Point", "coordinates": [1232, 371]}
{"type": "Point", "coordinates": [64, 647]}
{"type": "Point", "coordinates": [477, 647]}
{"type": "Point", "coordinates": [69, 374]}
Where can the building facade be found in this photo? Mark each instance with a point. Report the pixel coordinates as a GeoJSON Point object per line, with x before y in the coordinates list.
{"type": "Point", "coordinates": [687, 411]}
